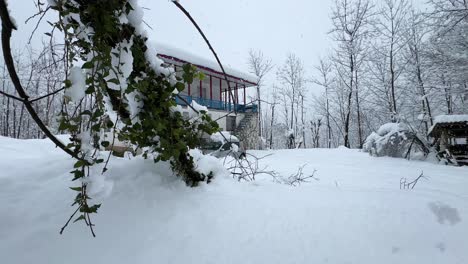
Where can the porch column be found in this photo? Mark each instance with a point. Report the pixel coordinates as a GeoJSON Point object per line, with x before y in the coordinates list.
{"type": "Point", "coordinates": [245, 97]}
{"type": "Point", "coordinates": [201, 91]}
{"type": "Point", "coordinates": [221, 92]}
{"type": "Point", "coordinates": [237, 94]}
{"type": "Point", "coordinates": [228, 94]}
{"type": "Point", "coordinates": [211, 88]}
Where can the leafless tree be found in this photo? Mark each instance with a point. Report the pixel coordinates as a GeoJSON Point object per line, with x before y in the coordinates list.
{"type": "Point", "coordinates": [324, 79]}
{"type": "Point", "coordinates": [392, 30]}
{"type": "Point", "coordinates": [260, 66]}
{"type": "Point", "coordinates": [315, 129]}
{"type": "Point", "coordinates": [40, 74]}
{"type": "Point", "coordinates": [292, 79]}
{"type": "Point", "coordinates": [351, 21]}
{"type": "Point", "coordinates": [417, 66]}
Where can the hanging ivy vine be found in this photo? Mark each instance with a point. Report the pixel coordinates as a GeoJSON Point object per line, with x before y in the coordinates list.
{"type": "Point", "coordinates": [110, 62]}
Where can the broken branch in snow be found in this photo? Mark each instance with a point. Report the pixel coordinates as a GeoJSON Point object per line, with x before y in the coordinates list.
{"type": "Point", "coordinates": [244, 169]}
{"type": "Point", "coordinates": [410, 185]}
{"type": "Point", "coordinates": [298, 178]}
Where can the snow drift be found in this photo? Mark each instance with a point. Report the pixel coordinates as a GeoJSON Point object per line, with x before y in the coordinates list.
{"type": "Point", "coordinates": [355, 213]}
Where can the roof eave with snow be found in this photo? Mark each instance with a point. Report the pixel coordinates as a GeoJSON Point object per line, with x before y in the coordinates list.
{"type": "Point", "coordinates": [444, 120]}
{"type": "Point", "coordinates": [178, 57]}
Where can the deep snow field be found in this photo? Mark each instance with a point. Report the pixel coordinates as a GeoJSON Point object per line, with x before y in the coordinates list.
{"type": "Point", "coordinates": [355, 212]}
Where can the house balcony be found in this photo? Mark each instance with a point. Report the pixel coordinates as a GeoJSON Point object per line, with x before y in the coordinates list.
{"type": "Point", "coordinates": [216, 104]}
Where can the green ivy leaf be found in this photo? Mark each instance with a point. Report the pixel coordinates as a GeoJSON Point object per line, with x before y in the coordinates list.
{"type": "Point", "coordinates": [77, 189]}
{"type": "Point", "coordinates": [180, 86]}
{"type": "Point", "coordinates": [79, 218]}
{"type": "Point", "coordinates": [79, 164]}
{"type": "Point", "coordinates": [88, 65]}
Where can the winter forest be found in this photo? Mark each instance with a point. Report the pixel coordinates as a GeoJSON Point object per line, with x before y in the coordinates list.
{"type": "Point", "coordinates": [118, 147]}
{"type": "Point", "coordinates": [391, 63]}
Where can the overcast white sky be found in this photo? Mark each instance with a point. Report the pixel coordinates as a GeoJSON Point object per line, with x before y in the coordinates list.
{"type": "Point", "coordinates": [275, 27]}
{"type": "Point", "coordinates": [233, 27]}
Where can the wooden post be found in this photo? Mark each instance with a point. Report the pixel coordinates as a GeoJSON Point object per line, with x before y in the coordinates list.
{"type": "Point", "coordinates": [201, 92]}
{"type": "Point", "coordinates": [245, 97]}
{"type": "Point", "coordinates": [211, 88]}
{"type": "Point", "coordinates": [228, 94]}
{"type": "Point", "coordinates": [221, 91]}
{"type": "Point", "coordinates": [237, 94]}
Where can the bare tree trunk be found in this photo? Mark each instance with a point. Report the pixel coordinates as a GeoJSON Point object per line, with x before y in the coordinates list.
{"type": "Point", "coordinates": [425, 101]}
{"type": "Point", "coordinates": [20, 122]}
{"type": "Point", "coordinates": [392, 81]}
{"type": "Point", "coordinates": [328, 124]}
{"type": "Point", "coordinates": [259, 103]}
{"type": "Point", "coordinates": [348, 107]}
{"type": "Point", "coordinates": [358, 107]}
{"type": "Point", "coordinates": [7, 119]}
{"type": "Point", "coordinates": [448, 95]}
{"type": "Point", "coordinates": [271, 124]}
{"type": "Point", "coordinates": [303, 122]}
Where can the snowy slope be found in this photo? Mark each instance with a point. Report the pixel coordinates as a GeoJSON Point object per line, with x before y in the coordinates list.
{"type": "Point", "coordinates": [355, 213]}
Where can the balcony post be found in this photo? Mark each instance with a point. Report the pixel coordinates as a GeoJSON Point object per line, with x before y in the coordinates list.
{"type": "Point", "coordinates": [229, 98]}
{"type": "Point", "coordinates": [221, 93]}
{"type": "Point", "coordinates": [237, 95]}
{"type": "Point", "coordinates": [201, 92]}
{"type": "Point", "coordinates": [245, 97]}
{"type": "Point", "coordinates": [211, 88]}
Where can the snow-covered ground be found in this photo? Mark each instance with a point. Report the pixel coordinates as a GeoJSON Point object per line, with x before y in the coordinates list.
{"type": "Point", "coordinates": [355, 213]}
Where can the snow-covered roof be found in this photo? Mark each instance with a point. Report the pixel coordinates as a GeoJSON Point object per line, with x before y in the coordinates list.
{"type": "Point", "coordinates": [168, 52]}
{"type": "Point", "coordinates": [448, 119]}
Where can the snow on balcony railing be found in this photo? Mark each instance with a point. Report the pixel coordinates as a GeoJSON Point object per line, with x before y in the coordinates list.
{"type": "Point", "coordinates": [216, 104]}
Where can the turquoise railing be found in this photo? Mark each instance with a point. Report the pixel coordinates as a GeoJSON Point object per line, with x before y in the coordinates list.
{"type": "Point", "coordinates": [216, 104]}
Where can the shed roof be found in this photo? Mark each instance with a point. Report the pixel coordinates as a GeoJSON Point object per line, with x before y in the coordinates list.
{"type": "Point", "coordinates": [458, 124]}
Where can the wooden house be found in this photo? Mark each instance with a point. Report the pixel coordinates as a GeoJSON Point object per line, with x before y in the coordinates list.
{"type": "Point", "coordinates": [228, 104]}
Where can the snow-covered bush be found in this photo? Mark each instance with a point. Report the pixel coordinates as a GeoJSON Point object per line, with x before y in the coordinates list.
{"type": "Point", "coordinates": [395, 140]}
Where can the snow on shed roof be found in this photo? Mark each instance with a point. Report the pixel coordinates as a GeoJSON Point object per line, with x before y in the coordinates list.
{"type": "Point", "coordinates": [448, 119]}
{"type": "Point", "coordinates": [165, 51]}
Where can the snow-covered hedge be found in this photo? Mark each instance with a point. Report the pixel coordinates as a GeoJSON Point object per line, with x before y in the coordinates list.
{"type": "Point", "coordinates": [396, 140]}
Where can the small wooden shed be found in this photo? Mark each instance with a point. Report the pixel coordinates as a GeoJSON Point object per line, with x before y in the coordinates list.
{"type": "Point", "coordinates": [450, 135]}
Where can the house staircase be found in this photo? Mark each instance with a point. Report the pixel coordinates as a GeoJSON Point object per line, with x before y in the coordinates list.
{"type": "Point", "coordinates": [248, 120]}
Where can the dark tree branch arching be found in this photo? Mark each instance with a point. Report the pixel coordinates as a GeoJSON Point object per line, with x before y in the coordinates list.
{"type": "Point", "coordinates": [209, 45]}
{"type": "Point", "coordinates": [7, 27]}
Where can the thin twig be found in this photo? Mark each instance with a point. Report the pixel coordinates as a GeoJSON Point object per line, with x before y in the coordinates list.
{"type": "Point", "coordinates": [44, 12]}
{"type": "Point", "coordinates": [69, 219]}
{"type": "Point", "coordinates": [11, 96]}
{"type": "Point", "coordinates": [47, 95]}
